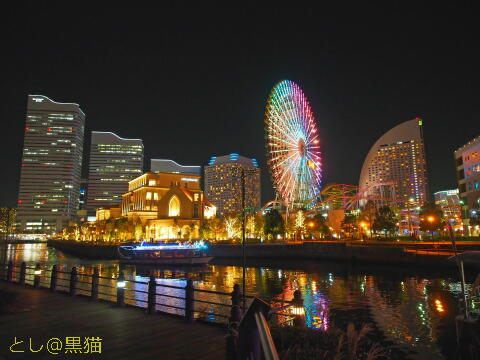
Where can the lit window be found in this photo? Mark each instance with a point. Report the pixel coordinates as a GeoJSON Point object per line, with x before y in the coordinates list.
{"type": "Point", "coordinates": [149, 196]}
{"type": "Point", "coordinates": [174, 206]}
{"type": "Point", "coordinates": [152, 182]}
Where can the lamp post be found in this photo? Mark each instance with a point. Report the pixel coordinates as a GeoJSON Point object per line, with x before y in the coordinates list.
{"type": "Point", "coordinates": [243, 240]}
{"type": "Point", "coordinates": [409, 215]}
{"type": "Point", "coordinates": [431, 219]}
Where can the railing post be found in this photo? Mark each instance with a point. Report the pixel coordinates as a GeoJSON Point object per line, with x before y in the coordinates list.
{"type": "Point", "coordinates": [95, 281]}
{"type": "Point", "coordinates": [37, 275]}
{"type": "Point", "coordinates": [152, 292]}
{"type": "Point", "coordinates": [121, 289]}
{"type": "Point", "coordinates": [189, 298]}
{"type": "Point", "coordinates": [23, 273]}
{"type": "Point", "coordinates": [53, 279]}
{"type": "Point", "coordinates": [236, 309]}
{"type": "Point", "coordinates": [9, 271]}
{"type": "Point", "coordinates": [298, 309]}
{"type": "Point", "coordinates": [73, 281]}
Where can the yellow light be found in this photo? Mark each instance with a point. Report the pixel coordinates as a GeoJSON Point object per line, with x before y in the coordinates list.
{"type": "Point", "coordinates": [37, 272]}
{"type": "Point", "coordinates": [431, 218]}
{"type": "Point", "coordinates": [311, 164]}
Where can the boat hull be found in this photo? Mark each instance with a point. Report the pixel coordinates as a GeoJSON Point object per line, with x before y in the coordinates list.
{"type": "Point", "coordinates": [201, 260]}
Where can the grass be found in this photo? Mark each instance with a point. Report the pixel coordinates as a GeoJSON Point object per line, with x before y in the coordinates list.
{"type": "Point", "coordinates": [295, 343]}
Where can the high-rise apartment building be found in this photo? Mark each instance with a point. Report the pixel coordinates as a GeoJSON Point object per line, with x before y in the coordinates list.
{"type": "Point", "coordinates": [467, 160]}
{"type": "Point", "coordinates": [170, 166]}
{"type": "Point", "coordinates": [223, 183]}
{"type": "Point", "coordinates": [51, 165]}
{"type": "Point", "coordinates": [114, 161]}
{"type": "Point", "coordinates": [395, 167]}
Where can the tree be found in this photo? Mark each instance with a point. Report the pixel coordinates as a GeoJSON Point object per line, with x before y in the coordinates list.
{"type": "Point", "coordinates": [233, 226]}
{"type": "Point", "coordinates": [385, 220]}
{"type": "Point", "coordinates": [431, 218]}
{"type": "Point", "coordinates": [7, 219]}
{"type": "Point", "coordinates": [317, 226]}
{"type": "Point", "coordinates": [273, 224]}
{"type": "Point", "coordinates": [349, 224]}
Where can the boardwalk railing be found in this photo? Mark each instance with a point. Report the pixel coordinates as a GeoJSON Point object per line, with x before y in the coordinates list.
{"type": "Point", "coordinates": [153, 295]}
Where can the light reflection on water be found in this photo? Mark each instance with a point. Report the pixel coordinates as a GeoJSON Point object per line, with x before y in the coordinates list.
{"type": "Point", "coordinates": [402, 303]}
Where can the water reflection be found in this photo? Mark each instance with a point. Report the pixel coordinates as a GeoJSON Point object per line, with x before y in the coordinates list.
{"type": "Point", "coordinates": [414, 311]}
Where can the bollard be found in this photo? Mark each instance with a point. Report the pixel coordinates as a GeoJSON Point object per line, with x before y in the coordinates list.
{"type": "Point", "coordinates": [73, 281]}
{"type": "Point", "coordinates": [23, 273]}
{"type": "Point", "coordinates": [189, 298]}
{"type": "Point", "coordinates": [121, 289]}
{"type": "Point", "coordinates": [37, 275]}
{"type": "Point", "coordinates": [298, 309]}
{"type": "Point", "coordinates": [236, 309]}
{"type": "Point", "coordinates": [53, 278]}
{"type": "Point", "coordinates": [152, 290]}
{"type": "Point", "coordinates": [10, 271]}
{"type": "Point", "coordinates": [95, 281]}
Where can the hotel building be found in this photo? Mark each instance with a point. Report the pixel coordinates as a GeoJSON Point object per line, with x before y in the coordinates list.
{"type": "Point", "coordinates": [170, 166]}
{"type": "Point", "coordinates": [395, 168]}
{"type": "Point", "coordinates": [223, 183]}
{"type": "Point", "coordinates": [467, 161]}
{"type": "Point", "coordinates": [114, 161]}
{"type": "Point", "coordinates": [51, 165]}
{"type": "Point", "coordinates": [169, 205]}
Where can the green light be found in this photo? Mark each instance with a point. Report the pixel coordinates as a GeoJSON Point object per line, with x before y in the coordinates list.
{"type": "Point", "coordinates": [420, 122]}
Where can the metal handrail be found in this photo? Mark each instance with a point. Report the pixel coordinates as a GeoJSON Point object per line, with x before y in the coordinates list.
{"type": "Point", "coordinates": [268, 346]}
{"type": "Point", "coordinates": [39, 280]}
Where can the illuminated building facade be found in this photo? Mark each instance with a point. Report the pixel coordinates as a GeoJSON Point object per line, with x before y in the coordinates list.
{"type": "Point", "coordinates": [169, 205]}
{"type": "Point", "coordinates": [467, 160]}
{"type": "Point", "coordinates": [395, 168]}
{"type": "Point", "coordinates": [51, 165]}
{"type": "Point", "coordinates": [170, 166]}
{"type": "Point", "coordinates": [449, 202]}
{"type": "Point", "coordinates": [114, 161]}
{"type": "Point", "coordinates": [223, 183]}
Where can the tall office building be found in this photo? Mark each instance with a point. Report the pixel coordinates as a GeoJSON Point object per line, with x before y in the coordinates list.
{"type": "Point", "coordinates": [467, 161]}
{"type": "Point", "coordinates": [51, 165]}
{"type": "Point", "coordinates": [170, 166]}
{"type": "Point", "coordinates": [223, 183]}
{"type": "Point", "coordinates": [395, 167]}
{"type": "Point", "coordinates": [114, 161]}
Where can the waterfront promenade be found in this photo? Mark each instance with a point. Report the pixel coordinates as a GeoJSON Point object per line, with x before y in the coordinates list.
{"type": "Point", "coordinates": [125, 332]}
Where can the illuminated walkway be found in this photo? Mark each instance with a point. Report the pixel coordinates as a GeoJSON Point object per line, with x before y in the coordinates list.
{"type": "Point", "coordinates": [126, 333]}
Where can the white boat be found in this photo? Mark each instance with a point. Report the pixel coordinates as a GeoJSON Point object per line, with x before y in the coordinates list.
{"type": "Point", "coordinates": [179, 254]}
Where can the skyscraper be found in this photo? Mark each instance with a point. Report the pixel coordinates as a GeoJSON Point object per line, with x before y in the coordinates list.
{"type": "Point", "coordinates": [223, 183]}
{"type": "Point", "coordinates": [114, 161]}
{"type": "Point", "coordinates": [395, 167]}
{"type": "Point", "coordinates": [467, 161]}
{"type": "Point", "coordinates": [51, 165]}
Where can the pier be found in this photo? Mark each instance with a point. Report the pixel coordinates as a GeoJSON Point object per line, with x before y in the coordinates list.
{"type": "Point", "coordinates": [40, 313]}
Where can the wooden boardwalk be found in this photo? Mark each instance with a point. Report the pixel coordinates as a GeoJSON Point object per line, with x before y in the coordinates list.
{"type": "Point", "coordinates": [126, 333]}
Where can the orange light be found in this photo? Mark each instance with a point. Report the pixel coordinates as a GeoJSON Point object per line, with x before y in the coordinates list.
{"type": "Point", "coordinates": [311, 224]}
{"type": "Point", "coordinates": [439, 306]}
{"type": "Point", "coordinates": [431, 218]}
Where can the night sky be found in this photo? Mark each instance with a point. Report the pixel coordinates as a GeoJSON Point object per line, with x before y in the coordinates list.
{"type": "Point", "coordinates": [193, 82]}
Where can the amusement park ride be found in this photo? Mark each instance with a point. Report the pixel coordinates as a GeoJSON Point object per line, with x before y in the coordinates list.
{"type": "Point", "coordinates": [294, 159]}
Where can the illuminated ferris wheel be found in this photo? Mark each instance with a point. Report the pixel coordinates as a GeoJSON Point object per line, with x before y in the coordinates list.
{"type": "Point", "coordinates": [293, 149]}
